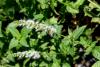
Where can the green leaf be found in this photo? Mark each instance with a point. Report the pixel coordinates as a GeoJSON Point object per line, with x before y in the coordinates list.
{"type": "Point", "coordinates": [44, 45]}
{"type": "Point", "coordinates": [52, 54]}
{"type": "Point", "coordinates": [78, 3]}
{"type": "Point", "coordinates": [1, 35]}
{"type": "Point", "coordinates": [2, 2]}
{"type": "Point", "coordinates": [1, 44]}
{"type": "Point", "coordinates": [87, 11]}
{"type": "Point", "coordinates": [53, 20]}
{"type": "Point", "coordinates": [90, 48]}
{"type": "Point", "coordinates": [66, 65]}
{"type": "Point", "coordinates": [38, 16]}
{"type": "Point", "coordinates": [96, 64]}
{"type": "Point", "coordinates": [10, 56]}
{"type": "Point", "coordinates": [96, 52]}
{"type": "Point", "coordinates": [12, 29]}
{"type": "Point", "coordinates": [77, 32]}
{"type": "Point", "coordinates": [46, 56]}
{"type": "Point", "coordinates": [64, 46]}
{"type": "Point", "coordinates": [43, 64]}
{"type": "Point", "coordinates": [33, 42]}
{"type": "Point", "coordinates": [14, 32]}
{"type": "Point", "coordinates": [13, 43]}
{"type": "Point", "coordinates": [25, 62]}
{"type": "Point", "coordinates": [56, 63]}
{"type": "Point", "coordinates": [95, 4]}
{"type": "Point", "coordinates": [85, 42]}
{"type": "Point", "coordinates": [96, 20]}
{"type": "Point", "coordinates": [25, 32]}
{"type": "Point", "coordinates": [72, 9]}
{"type": "Point", "coordinates": [17, 65]}
{"type": "Point", "coordinates": [23, 10]}
{"type": "Point", "coordinates": [23, 42]}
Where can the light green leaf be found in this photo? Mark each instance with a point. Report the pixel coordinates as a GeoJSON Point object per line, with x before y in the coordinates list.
{"type": "Point", "coordinates": [96, 20]}
{"type": "Point", "coordinates": [14, 32]}
{"type": "Point", "coordinates": [12, 29]}
{"type": "Point", "coordinates": [25, 62]}
{"type": "Point", "coordinates": [78, 3]}
{"type": "Point", "coordinates": [25, 32]}
{"type": "Point", "coordinates": [66, 65]}
{"type": "Point", "coordinates": [56, 63]}
{"type": "Point", "coordinates": [10, 56]}
{"type": "Point", "coordinates": [96, 64]}
{"type": "Point", "coordinates": [77, 32]}
{"type": "Point", "coordinates": [38, 16]}
{"type": "Point", "coordinates": [44, 45]}
{"type": "Point", "coordinates": [23, 10]}
{"type": "Point", "coordinates": [17, 65]}
{"type": "Point", "coordinates": [33, 42]}
{"type": "Point", "coordinates": [13, 43]}
{"type": "Point", "coordinates": [23, 42]}
{"type": "Point", "coordinates": [52, 54]}
{"type": "Point", "coordinates": [53, 20]}
{"type": "Point", "coordinates": [72, 9]}
{"type": "Point", "coordinates": [90, 48]}
{"type": "Point", "coordinates": [46, 56]}
{"type": "Point", "coordinates": [43, 64]}
{"type": "Point", "coordinates": [96, 52]}
{"type": "Point", "coordinates": [85, 42]}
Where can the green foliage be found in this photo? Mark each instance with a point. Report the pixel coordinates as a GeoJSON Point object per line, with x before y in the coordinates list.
{"type": "Point", "coordinates": [97, 64]}
{"type": "Point", "coordinates": [56, 29]}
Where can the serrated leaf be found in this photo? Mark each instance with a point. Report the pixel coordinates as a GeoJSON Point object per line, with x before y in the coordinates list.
{"type": "Point", "coordinates": [53, 20]}
{"type": "Point", "coordinates": [13, 43]}
{"type": "Point", "coordinates": [25, 32]}
{"type": "Point", "coordinates": [96, 52]}
{"type": "Point", "coordinates": [78, 3]}
{"type": "Point", "coordinates": [90, 48]}
{"type": "Point", "coordinates": [44, 45]}
{"type": "Point", "coordinates": [72, 9]}
{"type": "Point", "coordinates": [46, 56]}
{"type": "Point", "coordinates": [56, 63]}
{"type": "Point", "coordinates": [39, 16]}
{"type": "Point", "coordinates": [96, 64]}
{"type": "Point", "coordinates": [12, 29]}
{"type": "Point", "coordinates": [77, 32]}
{"type": "Point", "coordinates": [85, 42]}
{"type": "Point", "coordinates": [33, 42]}
{"type": "Point", "coordinates": [14, 32]}
{"type": "Point", "coordinates": [52, 54]}
{"type": "Point", "coordinates": [23, 42]}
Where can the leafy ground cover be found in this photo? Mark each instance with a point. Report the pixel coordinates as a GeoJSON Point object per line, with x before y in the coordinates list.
{"type": "Point", "coordinates": [49, 33]}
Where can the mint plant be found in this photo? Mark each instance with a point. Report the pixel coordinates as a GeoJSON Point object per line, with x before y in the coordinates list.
{"type": "Point", "coordinates": [49, 33]}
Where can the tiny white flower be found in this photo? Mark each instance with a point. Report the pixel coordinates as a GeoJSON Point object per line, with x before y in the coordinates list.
{"type": "Point", "coordinates": [36, 55]}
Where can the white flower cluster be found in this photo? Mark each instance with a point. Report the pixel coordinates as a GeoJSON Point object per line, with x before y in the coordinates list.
{"type": "Point", "coordinates": [28, 54]}
{"type": "Point", "coordinates": [31, 24]}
